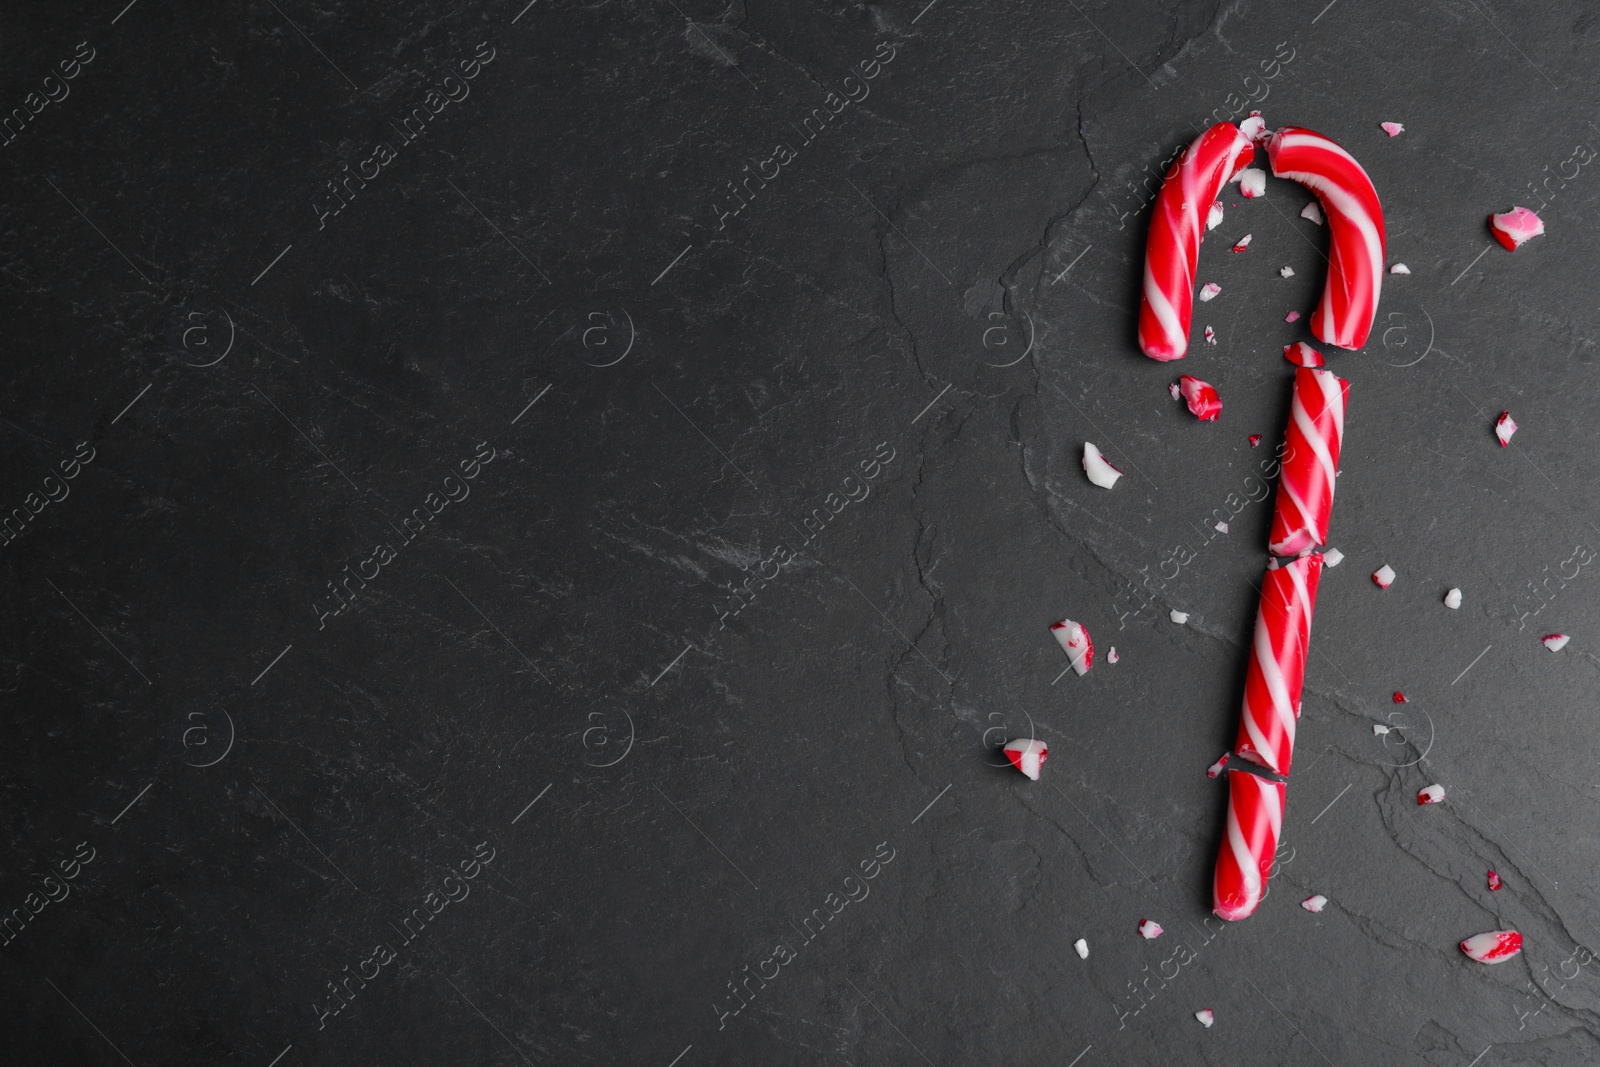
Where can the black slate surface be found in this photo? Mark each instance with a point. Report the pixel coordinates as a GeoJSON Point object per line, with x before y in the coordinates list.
{"type": "Point", "coordinates": [532, 785]}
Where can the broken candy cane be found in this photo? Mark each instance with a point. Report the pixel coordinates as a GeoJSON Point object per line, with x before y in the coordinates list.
{"type": "Point", "coordinates": [1504, 427]}
{"type": "Point", "coordinates": [1512, 228]}
{"type": "Point", "coordinates": [1310, 462]}
{"type": "Point", "coordinates": [1302, 355]}
{"type": "Point", "coordinates": [1216, 768]}
{"type": "Point", "coordinates": [1496, 946]}
{"type": "Point", "coordinates": [1356, 240]}
{"type": "Point", "coordinates": [1555, 642]}
{"type": "Point", "coordinates": [1027, 755]}
{"type": "Point", "coordinates": [1150, 930]}
{"type": "Point", "coordinates": [1495, 883]}
{"type": "Point", "coordinates": [1249, 844]}
{"type": "Point", "coordinates": [1276, 672]}
{"type": "Point", "coordinates": [1204, 403]}
{"type": "Point", "coordinates": [1430, 794]}
{"type": "Point", "coordinates": [1190, 187]}
{"type": "Point", "coordinates": [1074, 640]}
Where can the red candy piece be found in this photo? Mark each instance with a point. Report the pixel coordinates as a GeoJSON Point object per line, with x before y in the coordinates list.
{"type": "Point", "coordinates": [1496, 946]}
{"type": "Point", "coordinates": [1202, 398]}
{"type": "Point", "coordinates": [1310, 462]}
{"type": "Point", "coordinates": [1399, 697]}
{"type": "Point", "coordinates": [1255, 439]}
{"type": "Point", "coordinates": [1249, 844]}
{"type": "Point", "coordinates": [1075, 642]}
{"type": "Point", "coordinates": [1513, 228]}
{"type": "Point", "coordinates": [1216, 768]}
{"type": "Point", "coordinates": [1356, 238]}
{"type": "Point", "coordinates": [1173, 247]}
{"type": "Point", "coordinates": [1027, 755]}
{"type": "Point", "coordinates": [1276, 671]}
{"type": "Point", "coordinates": [1495, 884]}
{"type": "Point", "coordinates": [1302, 355]}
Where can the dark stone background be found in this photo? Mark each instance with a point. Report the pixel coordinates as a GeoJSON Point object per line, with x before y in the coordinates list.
{"type": "Point", "coordinates": [946, 275]}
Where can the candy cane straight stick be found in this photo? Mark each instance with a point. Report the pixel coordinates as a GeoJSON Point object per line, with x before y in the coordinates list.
{"type": "Point", "coordinates": [1277, 667]}
{"type": "Point", "coordinates": [1355, 225]}
{"type": "Point", "coordinates": [1173, 247]}
{"type": "Point", "coordinates": [1255, 817]}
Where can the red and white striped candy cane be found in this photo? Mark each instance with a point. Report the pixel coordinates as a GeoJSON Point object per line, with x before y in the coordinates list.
{"type": "Point", "coordinates": [1173, 247]}
{"type": "Point", "coordinates": [1255, 816]}
{"type": "Point", "coordinates": [1310, 463]}
{"type": "Point", "coordinates": [1355, 224]}
{"type": "Point", "coordinates": [1272, 681]}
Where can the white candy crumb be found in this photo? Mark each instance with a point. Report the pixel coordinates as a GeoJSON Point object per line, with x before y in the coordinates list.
{"type": "Point", "coordinates": [1179, 617]}
{"type": "Point", "coordinates": [1312, 211]}
{"type": "Point", "coordinates": [1332, 557]}
{"type": "Point", "coordinates": [1452, 599]}
{"type": "Point", "coordinates": [1082, 948]}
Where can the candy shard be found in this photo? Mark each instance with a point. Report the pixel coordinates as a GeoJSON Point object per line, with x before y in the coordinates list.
{"type": "Point", "coordinates": [1332, 557]}
{"type": "Point", "coordinates": [1314, 903]}
{"type": "Point", "coordinates": [1495, 884]}
{"type": "Point", "coordinates": [1211, 336]}
{"type": "Point", "coordinates": [1074, 640]}
{"type": "Point", "coordinates": [1400, 698]}
{"type": "Point", "coordinates": [1512, 228]}
{"type": "Point", "coordinates": [1255, 439]}
{"type": "Point", "coordinates": [1027, 755]}
{"type": "Point", "coordinates": [1383, 577]}
{"type": "Point", "coordinates": [1150, 930]}
{"type": "Point", "coordinates": [1173, 389]}
{"type": "Point", "coordinates": [1098, 468]}
{"type": "Point", "coordinates": [1254, 127]}
{"type": "Point", "coordinates": [1452, 599]}
{"type": "Point", "coordinates": [1555, 642]}
{"type": "Point", "coordinates": [1112, 657]}
{"type": "Point", "coordinates": [1430, 794]}
{"type": "Point", "coordinates": [1504, 427]}
{"type": "Point", "coordinates": [1220, 527]}
{"type": "Point", "coordinates": [1209, 291]}
{"type": "Point", "coordinates": [1216, 768]}
{"type": "Point", "coordinates": [1303, 355]}
{"type": "Point", "coordinates": [1214, 216]}
{"type": "Point", "coordinates": [1312, 211]}
{"type": "Point", "coordinates": [1378, 729]}
{"type": "Point", "coordinates": [1393, 129]}
{"type": "Point", "coordinates": [1286, 271]}
{"type": "Point", "coordinates": [1243, 243]}
{"type": "Point", "coordinates": [1399, 268]}
{"type": "Point", "coordinates": [1252, 183]}
{"type": "Point", "coordinates": [1081, 947]}
{"type": "Point", "coordinates": [1204, 403]}
{"type": "Point", "coordinates": [1293, 316]}
{"type": "Point", "coordinates": [1179, 617]}
{"type": "Point", "coordinates": [1206, 1017]}
{"type": "Point", "coordinates": [1496, 946]}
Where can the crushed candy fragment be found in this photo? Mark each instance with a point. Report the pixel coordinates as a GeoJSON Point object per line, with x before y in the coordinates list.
{"type": "Point", "coordinates": [1027, 755]}
{"type": "Point", "coordinates": [1303, 355]}
{"type": "Point", "coordinates": [1286, 271]}
{"type": "Point", "coordinates": [1496, 946]}
{"type": "Point", "coordinates": [1332, 557]}
{"type": "Point", "coordinates": [1214, 216]}
{"type": "Point", "coordinates": [1211, 336]}
{"type": "Point", "coordinates": [1400, 698]}
{"type": "Point", "coordinates": [1513, 228]}
{"type": "Point", "coordinates": [1150, 930]}
{"type": "Point", "coordinates": [1216, 768]}
{"type": "Point", "coordinates": [1495, 884]}
{"type": "Point", "coordinates": [1383, 577]}
{"type": "Point", "coordinates": [1555, 642]}
{"type": "Point", "coordinates": [1243, 243]}
{"type": "Point", "coordinates": [1399, 268]}
{"type": "Point", "coordinates": [1430, 794]}
{"type": "Point", "coordinates": [1206, 1017]}
{"type": "Point", "coordinates": [1313, 211]}
{"type": "Point", "coordinates": [1209, 291]}
{"type": "Point", "coordinates": [1173, 389]}
{"type": "Point", "coordinates": [1452, 599]}
{"type": "Point", "coordinates": [1179, 617]}
{"type": "Point", "coordinates": [1504, 427]}
{"type": "Point", "coordinates": [1098, 468]}
{"type": "Point", "coordinates": [1393, 129]}
{"type": "Point", "coordinates": [1112, 657]}
{"type": "Point", "coordinates": [1254, 127]}
{"type": "Point", "coordinates": [1255, 439]}
{"type": "Point", "coordinates": [1293, 316]}
{"type": "Point", "coordinates": [1204, 403]}
{"type": "Point", "coordinates": [1081, 947]}
{"type": "Point", "coordinates": [1314, 903]}
{"type": "Point", "coordinates": [1220, 527]}
{"type": "Point", "coordinates": [1074, 640]}
{"type": "Point", "coordinates": [1378, 729]}
{"type": "Point", "coordinates": [1252, 183]}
